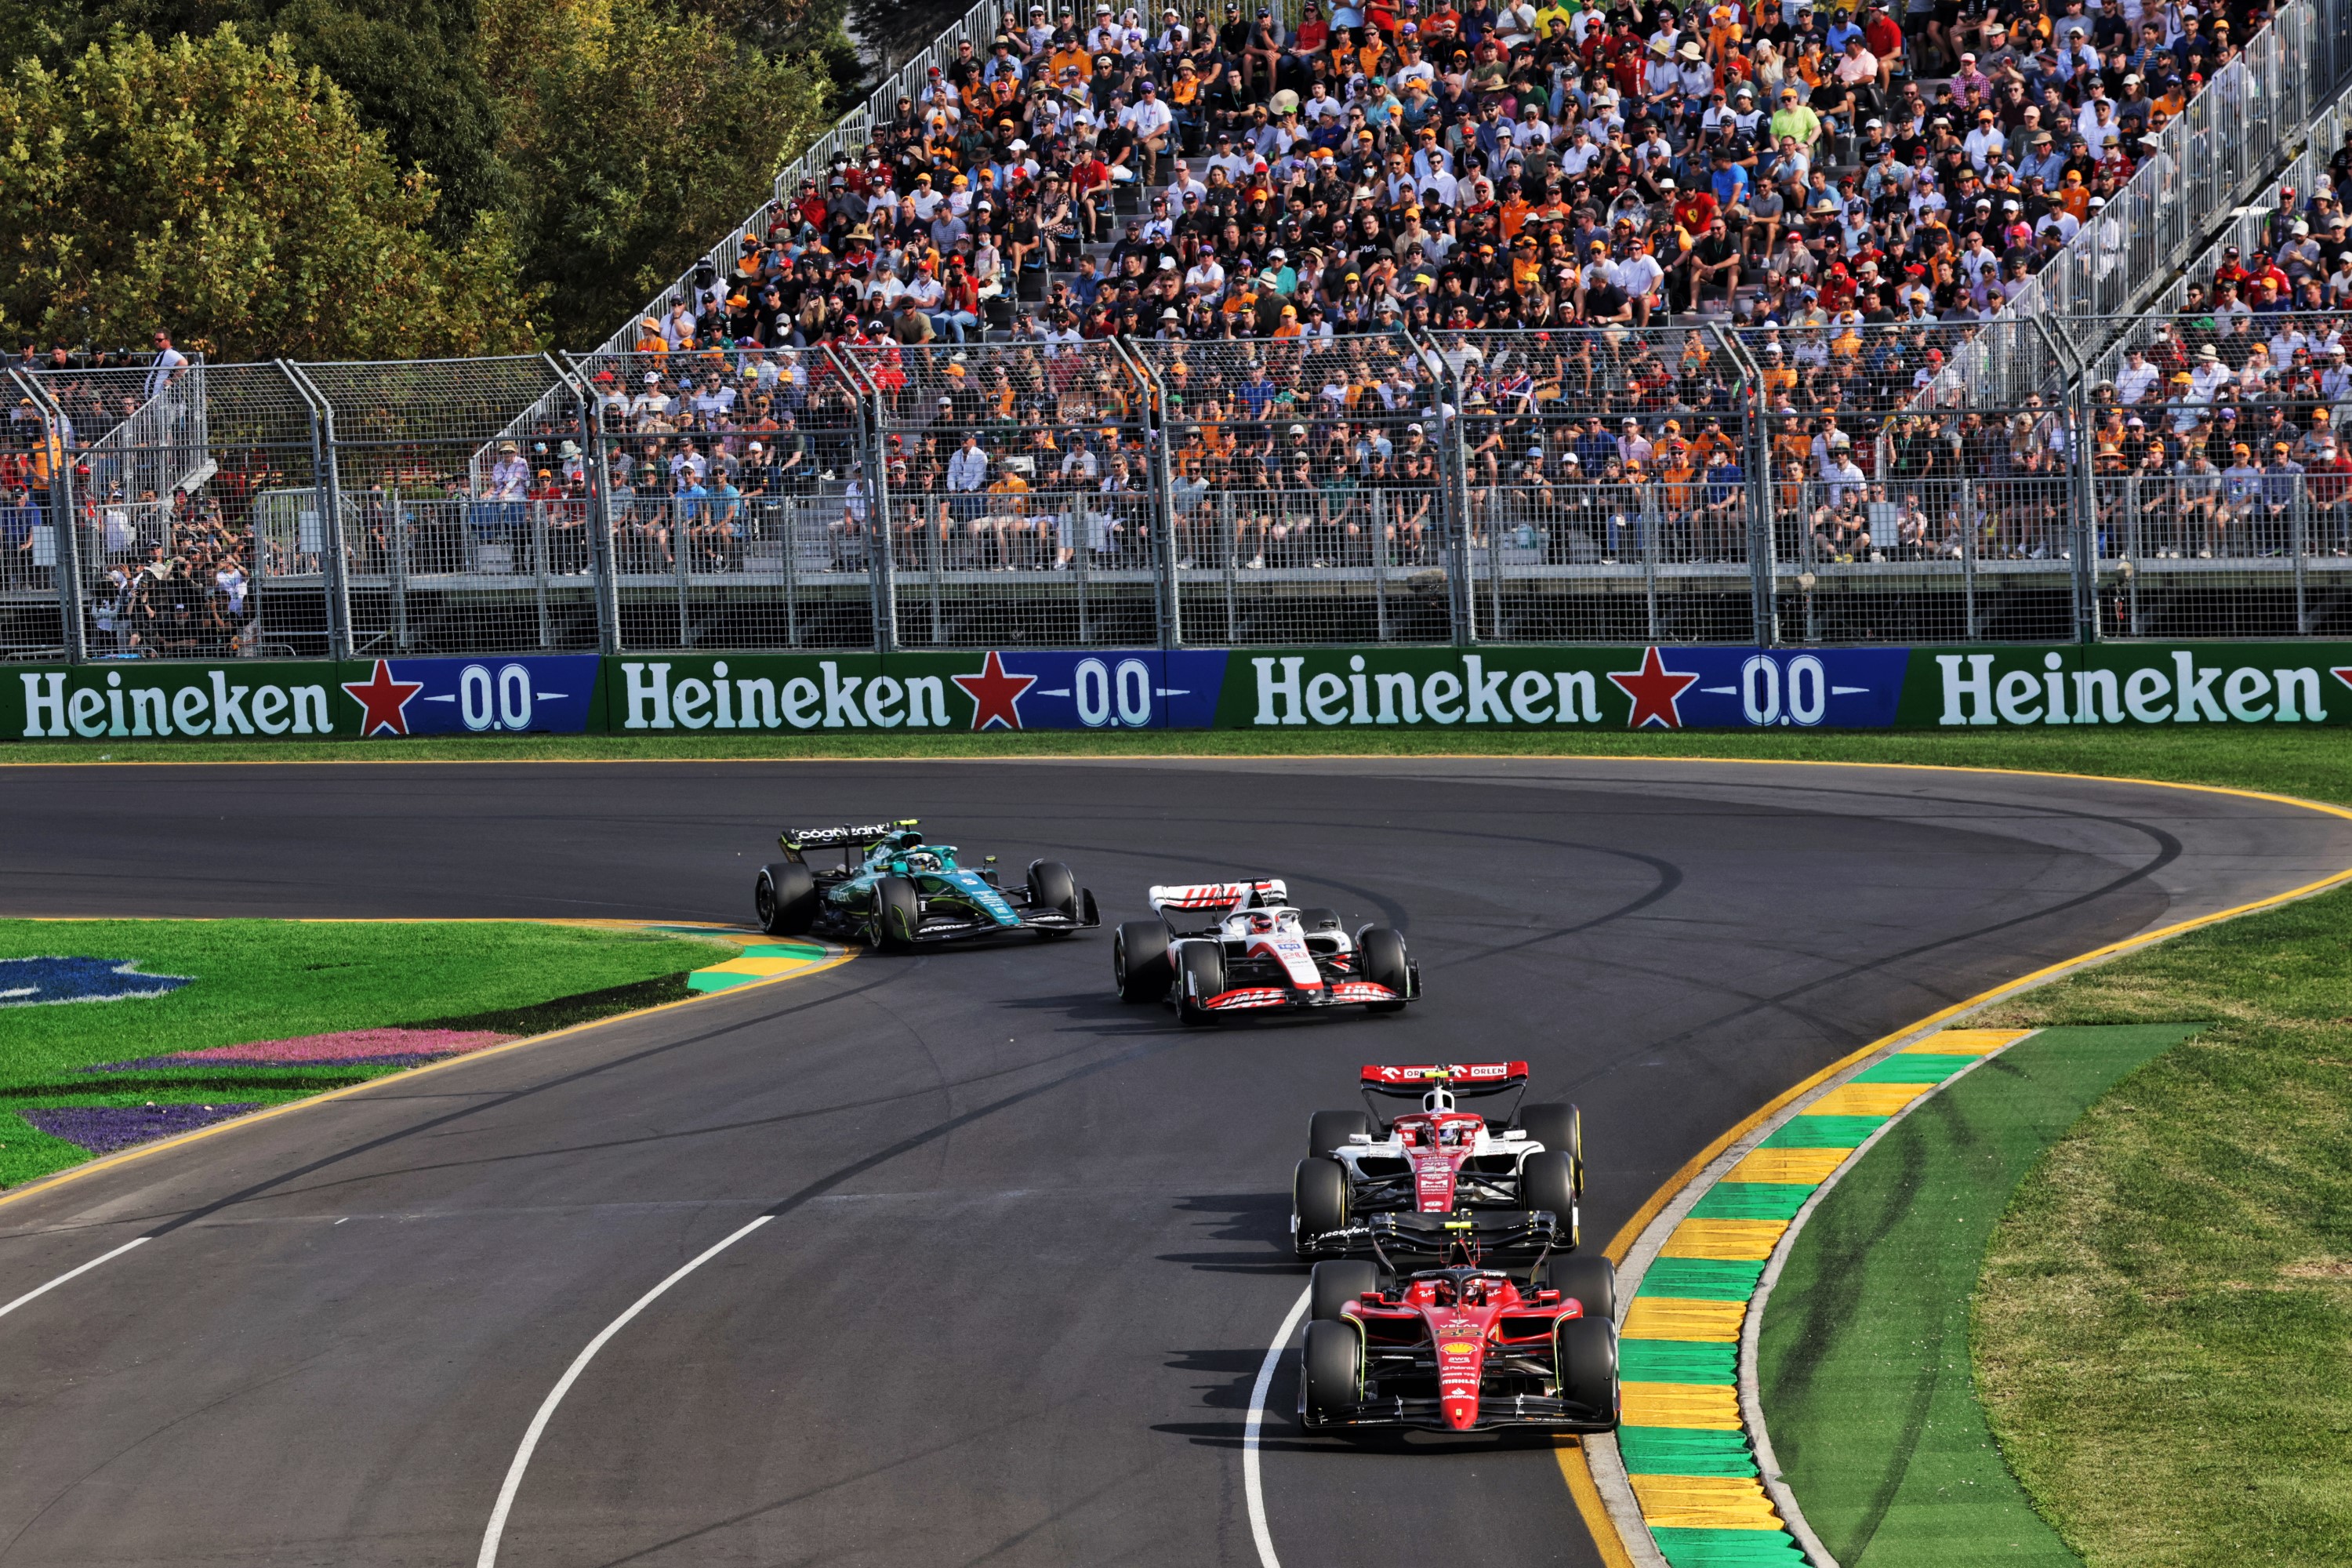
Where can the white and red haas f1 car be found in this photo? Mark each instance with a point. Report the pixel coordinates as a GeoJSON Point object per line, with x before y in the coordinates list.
{"type": "Point", "coordinates": [1234, 947]}
{"type": "Point", "coordinates": [1439, 1174]}
{"type": "Point", "coordinates": [1463, 1349]}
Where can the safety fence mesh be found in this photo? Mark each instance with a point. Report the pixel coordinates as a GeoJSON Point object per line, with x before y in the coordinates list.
{"type": "Point", "coordinates": [1830, 482]}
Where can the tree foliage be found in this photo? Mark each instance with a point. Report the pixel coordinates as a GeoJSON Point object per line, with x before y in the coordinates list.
{"type": "Point", "coordinates": [223, 190]}
{"type": "Point", "coordinates": [637, 134]}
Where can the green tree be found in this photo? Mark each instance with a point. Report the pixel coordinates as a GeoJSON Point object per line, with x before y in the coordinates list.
{"type": "Point", "coordinates": [637, 133]}
{"type": "Point", "coordinates": [224, 191]}
{"type": "Point", "coordinates": [406, 66]}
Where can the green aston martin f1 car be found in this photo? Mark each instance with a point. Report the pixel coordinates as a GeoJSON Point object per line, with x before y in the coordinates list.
{"type": "Point", "coordinates": [894, 892]}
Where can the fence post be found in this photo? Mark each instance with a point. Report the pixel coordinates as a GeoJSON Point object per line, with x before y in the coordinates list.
{"type": "Point", "coordinates": [325, 484]}
{"type": "Point", "coordinates": [869, 399]}
{"type": "Point", "coordinates": [1763, 585]}
{"type": "Point", "coordinates": [64, 541]}
{"type": "Point", "coordinates": [1453, 491]}
{"type": "Point", "coordinates": [603, 584]}
{"type": "Point", "coordinates": [2074, 389]}
{"type": "Point", "coordinates": [1159, 422]}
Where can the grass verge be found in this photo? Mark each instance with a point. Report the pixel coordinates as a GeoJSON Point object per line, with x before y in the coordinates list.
{"type": "Point", "coordinates": [1863, 1358]}
{"type": "Point", "coordinates": [2162, 1331]}
{"type": "Point", "coordinates": [2313, 762]}
{"type": "Point", "coordinates": [263, 980]}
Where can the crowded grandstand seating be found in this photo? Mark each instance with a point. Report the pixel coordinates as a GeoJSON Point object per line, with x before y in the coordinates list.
{"type": "Point", "coordinates": [1479, 168]}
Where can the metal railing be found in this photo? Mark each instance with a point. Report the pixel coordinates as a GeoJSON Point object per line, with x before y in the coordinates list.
{"type": "Point", "coordinates": [1690, 483]}
{"type": "Point", "coordinates": [855, 130]}
{"type": "Point", "coordinates": [2227, 144]}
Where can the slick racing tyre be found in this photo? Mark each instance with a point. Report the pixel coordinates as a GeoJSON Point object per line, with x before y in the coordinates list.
{"type": "Point", "coordinates": [1332, 1373]}
{"type": "Point", "coordinates": [784, 899]}
{"type": "Point", "coordinates": [1319, 919]}
{"type": "Point", "coordinates": [1585, 1350]}
{"type": "Point", "coordinates": [1560, 1128]}
{"type": "Point", "coordinates": [1592, 1281]}
{"type": "Point", "coordinates": [1051, 887]}
{"type": "Point", "coordinates": [1139, 961]}
{"type": "Point", "coordinates": [897, 916]}
{"type": "Point", "coordinates": [1318, 1199]}
{"type": "Point", "coordinates": [1329, 1129]}
{"type": "Point", "coordinates": [1380, 953]}
{"type": "Point", "coordinates": [1200, 972]}
{"type": "Point", "coordinates": [1335, 1282]}
{"type": "Point", "coordinates": [1547, 1181]}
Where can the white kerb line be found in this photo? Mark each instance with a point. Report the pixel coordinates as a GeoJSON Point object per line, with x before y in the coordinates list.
{"type": "Point", "coordinates": [72, 1273]}
{"type": "Point", "coordinates": [489, 1553]}
{"type": "Point", "coordinates": [1252, 1488]}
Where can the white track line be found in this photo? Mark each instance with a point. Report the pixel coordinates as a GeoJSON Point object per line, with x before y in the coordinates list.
{"type": "Point", "coordinates": [1252, 1486]}
{"type": "Point", "coordinates": [489, 1553]}
{"type": "Point", "coordinates": [70, 1273]}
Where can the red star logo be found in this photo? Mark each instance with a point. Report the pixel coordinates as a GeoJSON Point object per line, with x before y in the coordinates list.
{"type": "Point", "coordinates": [384, 699]}
{"type": "Point", "coordinates": [996, 696]}
{"type": "Point", "coordinates": [1656, 693]}
{"type": "Point", "coordinates": [2343, 672]}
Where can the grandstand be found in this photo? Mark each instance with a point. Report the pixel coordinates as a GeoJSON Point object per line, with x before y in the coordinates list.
{"type": "Point", "coordinates": [1405, 322]}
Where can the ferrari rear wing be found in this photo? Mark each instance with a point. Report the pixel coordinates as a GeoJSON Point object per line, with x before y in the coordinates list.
{"type": "Point", "coordinates": [848, 833]}
{"type": "Point", "coordinates": [1462, 1078]}
{"type": "Point", "coordinates": [1200, 905]}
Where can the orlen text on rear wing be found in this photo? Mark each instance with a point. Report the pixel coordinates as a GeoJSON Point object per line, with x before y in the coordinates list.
{"type": "Point", "coordinates": [1463, 1081]}
{"type": "Point", "coordinates": [1199, 906]}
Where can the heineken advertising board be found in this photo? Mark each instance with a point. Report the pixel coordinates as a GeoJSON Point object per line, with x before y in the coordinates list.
{"type": "Point", "coordinates": [1490, 686]}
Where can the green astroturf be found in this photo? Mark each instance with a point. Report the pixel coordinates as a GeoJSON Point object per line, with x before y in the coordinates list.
{"type": "Point", "coordinates": [264, 980]}
{"type": "Point", "coordinates": [1865, 1365]}
{"type": "Point", "coordinates": [2163, 1330]}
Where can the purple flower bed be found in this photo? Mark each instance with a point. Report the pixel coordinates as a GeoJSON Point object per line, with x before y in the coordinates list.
{"type": "Point", "coordinates": [347, 1048]}
{"type": "Point", "coordinates": [103, 1128]}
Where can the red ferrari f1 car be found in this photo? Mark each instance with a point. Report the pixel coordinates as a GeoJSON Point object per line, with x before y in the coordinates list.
{"type": "Point", "coordinates": [1463, 1349]}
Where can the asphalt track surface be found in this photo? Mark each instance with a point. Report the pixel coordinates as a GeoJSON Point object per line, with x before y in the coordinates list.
{"type": "Point", "coordinates": [1030, 1243]}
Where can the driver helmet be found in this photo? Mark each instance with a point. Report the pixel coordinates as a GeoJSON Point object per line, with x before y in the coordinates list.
{"type": "Point", "coordinates": [922, 860]}
{"type": "Point", "coordinates": [1439, 1099]}
{"type": "Point", "coordinates": [1261, 923]}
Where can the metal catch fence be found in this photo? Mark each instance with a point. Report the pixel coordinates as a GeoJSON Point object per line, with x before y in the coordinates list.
{"type": "Point", "coordinates": [1809, 484]}
{"type": "Point", "coordinates": [1305, 490]}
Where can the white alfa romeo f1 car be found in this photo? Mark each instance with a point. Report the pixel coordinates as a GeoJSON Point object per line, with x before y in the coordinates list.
{"type": "Point", "coordinates": [1216, 948]}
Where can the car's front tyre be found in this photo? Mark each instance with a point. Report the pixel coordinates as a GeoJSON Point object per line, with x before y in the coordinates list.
{"type": "Point", "coordinates": [1051, 887]}
{"type": "Point", "coordinates": [1381, 958]}
{"type": "Point", "coordinates": [1200, 975]}
{"type": "Point", "coordinates": [895, 916]}
{"type": "Point", "coordinates": [1331, 1373]}
{"type": "Point", "coordinates": [1318, 1199]}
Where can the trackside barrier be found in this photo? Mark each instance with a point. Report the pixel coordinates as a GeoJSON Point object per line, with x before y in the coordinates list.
{"type": "Point", "coordinates": [1554, 687]}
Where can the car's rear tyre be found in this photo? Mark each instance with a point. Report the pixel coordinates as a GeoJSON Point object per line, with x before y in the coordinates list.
{"type": "Point", "coordinates": [1592, 1279]}
{"type": "Point", "coordinates": [1139, 961]}
{"type": "Point", "coordinates": [784, 897]}
{"type": "Point", "coordinates": [1051, 887]}
{"type": "Point", "coordinates": [1585, 1350]}
{"type": "Point", "coordinates": [1548, 1181]}
{"type": "Point", "coordinates": [1335, 1282]}
{"type": "Point", "coordinates": [897, 915]}
{"type": "Point", "coordinates": [1561, 1128]}
{"type": "Point", "coordinates": [1331, 1373]}
{"type": "Point", "coordinates": [1318, 1198]}
{"type": "Point", "coordinates": [1331, 1129]}
{"type": "Point", "coordinates": [1319, 919]}
{"type": "Point", "coordinates": [1200, 972]}
{"type": "Point", "coordinates": [1380, 959]}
